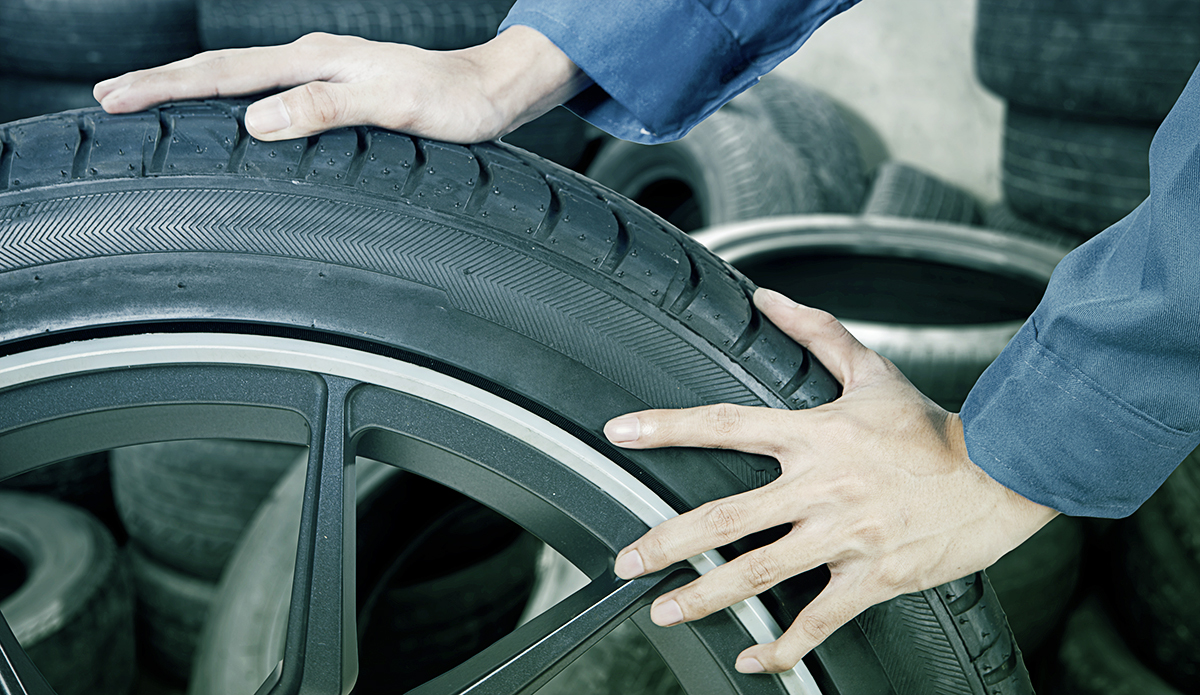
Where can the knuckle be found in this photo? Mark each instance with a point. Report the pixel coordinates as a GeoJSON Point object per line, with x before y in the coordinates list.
{"type": "Point", "coordinates": [321, 102]}
{"type": "Point", "coordinates": [815, 627]}
{"type": "Point", "coordinates": [724, 418]}
{"type": "Point", "coordinates": [654, 549]}
{"type": "Point", "coordinates": [761, 572]}
{"type": "Point", "coordinates": [725, 521]}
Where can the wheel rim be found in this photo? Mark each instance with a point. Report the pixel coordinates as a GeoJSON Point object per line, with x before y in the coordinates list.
{"type": "Point", "coordinates": [71, 399]}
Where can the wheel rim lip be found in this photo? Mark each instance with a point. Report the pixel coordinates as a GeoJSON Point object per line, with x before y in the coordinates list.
{"type": "Point", "coordinates": [145, 350]}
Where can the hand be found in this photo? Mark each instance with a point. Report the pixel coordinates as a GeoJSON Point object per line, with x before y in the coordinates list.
{"type": "Point", "coordinates": [463, 96]}
{"type": "Point", "coordinates": [877, 485]}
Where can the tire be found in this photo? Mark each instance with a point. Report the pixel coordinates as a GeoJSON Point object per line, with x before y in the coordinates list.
{"type": "Point", "coordinates": [73, 614]}
{"type": "Point", "coordinates": [1076, 175]}
{"type": "Point", "coordinates": [1001, 218]}
{"type": "Point", "coordinates": [940, 301]}
{"type": "Point", "coordinates": [900, 190]}
{"type": "Point", "coordinates": [431, 24]}
{"type": "Point", "coordinates": [1095, 660]}
{"type": "Point", "coordinates": [492, 293]}
{"type": "Point", "coordinates": [732, 166]}
{"type": "Point", "coordinates": [169, 611]}
{"type": "Point", "coordinates": [24, 97]}
{"type": "Point", "coordinates": [1155, 576]}
{"type": "Point", "coordinates": [94, 39]}
{"type": "Point", "coordinates": [185, 503]}
{"type": "Point", "coordinates": [1113, 59]}
{"type": "Point", "coordinates": [807, 120]}
{"type": "Point", "coordinates": [1036, 581]}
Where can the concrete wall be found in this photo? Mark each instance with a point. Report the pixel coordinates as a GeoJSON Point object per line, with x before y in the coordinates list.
{"type": "Point", "coordinates": [907, 69]}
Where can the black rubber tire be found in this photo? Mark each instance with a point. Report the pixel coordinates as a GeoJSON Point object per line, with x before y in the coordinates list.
{"type": "Point", "coordinates": [94, 39]}
{"type": "Point", "coordinates": [1112, 58]}
{"type": "Point", "coordinates": [902, 190]}
{"type": "Point", "coordinates": [1094, 660]}
{"type": "Point", "coordinates": [939, 300]}
{"type": "Point", "coordinates": [185, 503]}
{"type": "Point", "coordinates": [170, 608]}
{"type": "Point", "coordinates": [559, 135]}
{"type": "Point", "coordinates": [1155, 578]}
{"type": "Point", "coordinates": [578, 303]}
{"type": "Point", "coordinates": [1077, 175]}
{"type": "Point", "coordinates": [1036, 581]}
{"type": "Point", "coordinates": [24, 97]}
{"type": "Point", "coordinates": [74, 612]}
{"type": "Point", "coordinates": [1000, 217]}
{"type": "Point", "coordinates": [733, 166]}
{"type": "Point", "coordinates": [807, 120]}
{"type": "Point", "coordinates": [432, 24]}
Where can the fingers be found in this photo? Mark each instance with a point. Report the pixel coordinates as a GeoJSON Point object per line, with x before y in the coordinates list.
{"type": "Point", "coordinates": [306, 110]}
{"type": "Point", "coordinates": [723, 426]}
{"type": "Point", "coordinates": [819, 331]}
{"type": "Point", "coordinates": [704, 528]}
{"type": "Point", "coordinates": [837, 605]}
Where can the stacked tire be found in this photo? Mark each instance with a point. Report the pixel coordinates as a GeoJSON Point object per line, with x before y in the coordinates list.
{"type": "Point", "coordinates": [1086, 85]}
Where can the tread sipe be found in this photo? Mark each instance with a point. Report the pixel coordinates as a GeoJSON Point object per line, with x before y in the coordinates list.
{"type": "Point", "coordinates": [492, 265]}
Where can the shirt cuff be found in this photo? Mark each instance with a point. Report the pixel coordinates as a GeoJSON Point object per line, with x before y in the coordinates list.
{"type": "Point", "coordinates": [1047, 431]}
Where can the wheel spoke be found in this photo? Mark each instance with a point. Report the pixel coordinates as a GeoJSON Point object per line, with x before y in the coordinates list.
{"type": "Point", "coordinates": [529, 657]}
{"type": "Point", "coordinates": [321, 651]}
{"type": "Point", "coordinates": [18, 675]}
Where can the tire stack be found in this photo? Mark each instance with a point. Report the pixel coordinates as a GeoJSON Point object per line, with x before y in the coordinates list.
{"type": "Point", "coordinates": [1086, 84]}
{"type": "Point", "coordinates": [185, 505]}
{"type": "Point", "coordinates": [52, 52]}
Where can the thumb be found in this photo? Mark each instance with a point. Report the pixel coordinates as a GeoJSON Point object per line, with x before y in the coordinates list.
{"type": "Point", "coordinates": [302, 111]}
{"type": "Point", "coordinates": [816, 330]}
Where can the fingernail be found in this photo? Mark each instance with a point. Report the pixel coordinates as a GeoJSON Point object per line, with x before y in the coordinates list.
{"type": "Point", "coordinates": [773, 297]}
{"type": "Point", "coordinates": [666, 613]}
{"type": "Point", "coordinates": [748, 665]}
{"type": "Point", "coordinates": [623, 429]}
{"type": "Point", "coordinates": [629, 565]}
{"type": "Point", "coordinates": [268, 115]}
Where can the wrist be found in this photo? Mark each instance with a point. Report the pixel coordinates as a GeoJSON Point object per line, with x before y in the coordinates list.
{"type": "Point", "coordinates": [523, 74]}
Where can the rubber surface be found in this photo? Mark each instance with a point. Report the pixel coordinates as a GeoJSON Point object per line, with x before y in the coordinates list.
{"type": "Point", "coordinates": [23, 97]}
{"type": "Point", "coordinates": [94, 39]}
{"type": "Point", "coordinates": [185, 503]}
{"type": "Point", "coordinates": [477, 259]}
{"type": "Point", "coordinates": [74, 613]}
{"type": "Point", "coordinates": [432, 24]}
{"type": "Point", "coordinates": [1125, 59]}
{"type": "Point", "coordinates": [1095, 660]}
{"type": "Point", "coordinates": [1073, 174]}
{"type": "Point", "coordinates": [732, 166]}
{"type": "Point", "coordinates": [169, 610]}
{"type": "Point", "coordinates": [558, 135]}
{"type": "Point", "coordinates": [902, 190]}
{"type": "Point", "coordinates": [1000, 217]}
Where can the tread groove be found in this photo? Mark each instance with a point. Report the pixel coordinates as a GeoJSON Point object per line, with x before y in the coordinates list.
{"type": "Point", "coordinates": [6, 156]}
{"type": "Point", "coordinates": [162, 148]}
{"type": "Point", "coordinates": [361, 152]}
{"type": "Point", "coordinates": [553, 214]}
{"type": "Point", "coordinates": [83, 150]}
{"type": "Point", "coordinates": [417, 177]}
{"type": "Point", "coordinates": [238, 154]}
{"type": "Point", "coordinates": [748, 336]}
{"type": "Point", "coordinates": [691, 289]}
{"type": "Point", "coordinates": [483, 181]}
{"type": "Point", "coordinates": [304, 168]}
{"type": "Point", "coordinates": [620, 248]}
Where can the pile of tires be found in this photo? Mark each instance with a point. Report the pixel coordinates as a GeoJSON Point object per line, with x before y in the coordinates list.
{"type": "Point", "coordinates": [1086, 85]}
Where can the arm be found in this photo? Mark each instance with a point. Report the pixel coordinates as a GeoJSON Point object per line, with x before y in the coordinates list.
{"type": "Point", "coordinates": [464, 96]}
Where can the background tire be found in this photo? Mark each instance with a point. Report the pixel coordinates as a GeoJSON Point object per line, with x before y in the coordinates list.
{"type": "Point", "coordinates": [73, 613]}
{"type": "Point", "coordinates": [1001, 218]}
{"type": "Point", "coordinates": [186, 503]}
{"type": "Point", "coordinates": [1094, 659]}
{"type": "Point", "coordinates": [24, 97]}
{"type": "Point", "coordinates": [94, 39]}
{"type": "Point", "coordinates": [564, 297]}
{"type": "Point", "coordinates": [170, 610]}
{"type": "Point", "coordinates": [900, 190]}
{"type": "Point", "coordinates": [431, 24]}
{"type": "Point", "coordinates": [1125, 59]}
{"type": "Point", "coordinates": [1073, 174]}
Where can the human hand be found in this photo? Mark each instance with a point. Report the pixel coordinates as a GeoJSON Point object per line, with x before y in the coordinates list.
{"type": "Point", "coordinates": [876, 484]}
{"type": "Point", "coordinates": [463, 96]}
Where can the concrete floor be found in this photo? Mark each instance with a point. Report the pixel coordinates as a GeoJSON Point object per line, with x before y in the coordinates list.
{"type": "Point", "coordinates": [907, 69]}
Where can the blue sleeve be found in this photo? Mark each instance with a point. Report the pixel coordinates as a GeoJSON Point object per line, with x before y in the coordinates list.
{"type": "Point", "coordinates": [1097, 398]}
{"type": "Point", "coordinates": [662, 66]}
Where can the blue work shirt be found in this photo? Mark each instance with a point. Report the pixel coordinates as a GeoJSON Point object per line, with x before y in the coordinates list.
{"type": "Point", "coordinates": [1097, 398]}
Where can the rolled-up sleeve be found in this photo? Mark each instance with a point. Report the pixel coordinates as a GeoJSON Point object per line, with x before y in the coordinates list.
{"type": "Point", "coordinates": [1097, 398]}
{"type": "Point", "coordinates": [661, 67]}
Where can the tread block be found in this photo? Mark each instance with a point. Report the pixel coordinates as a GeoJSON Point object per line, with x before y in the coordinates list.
{"type": "Point", "coordinates": [582, 229]}
{"type": "Point", "coordinates": [333, 157]}
{"type": "Point", "coordinates": [200, 139]}
{"type": "Point", "coordinates": [43, 152]}
{"type": "Point", "coordinates": [388, 163]}
{"type": "Point", "coordinates": [653, 264]}
{"type": "Point", "coordinates": [516, 200]}
{"type": "Point", "coordinates": [719, 311]}
{"type": "Point", "coordinates": [273, 159]}
{"type": "Point", "coordinates": [118, 143]}
{"type": "Point", "coordinates": [448, 176]}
